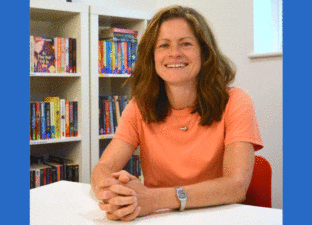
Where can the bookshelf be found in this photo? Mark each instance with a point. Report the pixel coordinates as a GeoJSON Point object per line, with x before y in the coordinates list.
{"type": "Point", "coordinates": [109, 84]}
{"type": "Point", "coordinates": [62, 19]}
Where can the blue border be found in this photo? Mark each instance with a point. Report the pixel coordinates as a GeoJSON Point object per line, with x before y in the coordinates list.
{"type": "Point", "coordinates": [297, 111]}
{"type": "Point", "coordinates": [14, 112]}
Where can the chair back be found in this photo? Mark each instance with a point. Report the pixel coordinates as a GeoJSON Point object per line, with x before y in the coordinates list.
{"type": "Point", "coordinates": [259, 192]}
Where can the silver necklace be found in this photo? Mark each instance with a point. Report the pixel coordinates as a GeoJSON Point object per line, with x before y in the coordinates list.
{"type": "Point", "coordinates": [183, 128]}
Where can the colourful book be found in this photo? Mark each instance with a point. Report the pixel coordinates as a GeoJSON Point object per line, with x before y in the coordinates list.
{"type": "Point", "coordinates": [119, 56]}
{"type": "Point", "coordinates": [38, 122]}
{"type": "Point", "coordinates": [57, 114]}
{"type": "Point", "coordinates": [52, 120]}
{"type": "Point", "coordinates": [67, 133]}
{"type": "Point", "coordinates": [71, 119]}
{"type": "Point", "coordinates": [31, 53]}
{"type": "Point", "coordinates": [63, 55]}
{"type": "Point", "coordinates": [101, 66]}
{"type": "Point", "coordinates": [33, 120]}
{"type": "Point", "coordinates": [74, 44]}
{"type": "Point", "coordinates": [107, 116]}
{"type": "Point", "coordinates": [75, 117]}
{"type": "Point", "coordinates": [44, 58]}
{"type": "Point", "coordinates": [63, 122]}
{"type": "Point", "coordinates": [110, 32]}
{"type": "Point", "coordinates": [70, 60]}
{"type": "Point", "coordinates": [48, 120]}
{"type": "Point", "coordinates": [101, 115]}
{"type": "Point", "coordinates": [66, 55]}
{"type": "Point", "coordinates": [43, 121]}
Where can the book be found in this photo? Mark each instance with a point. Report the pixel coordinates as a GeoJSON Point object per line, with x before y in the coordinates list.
{"type": "Point", "coordinates": [75, 173]}
{"type": "Point", "coordinates": [101, 115]}
{"type": "Point", "coordinates": [42, 121]}
{"type": "Point", "coordinates": [62, 114]}
{"type": "Point", "coordinates": [48, 120]}
{"type": "Point", "coordinates": [44, 58]}
{"type": "Point", "coordinates": [58, 168]}
{"type": "Point", "coordinates": [74, 58]}
{"type": "Point", "coordinates": [38, 122]}
{"type": "Point", "coordinates": [75, 118]}
{"type": "Point", "coordinates": [57, 53]}
{"type": "Point", "coordinates": [57, 114]}
{"type": "Point", "coordinates": [67, 132]}
{"type": "Point", "coordinates": [52, 120]}
{"type": "Point", "coordinates": [67, 55]}
{"type": "Point", "coordinates": [71, 119]}
{"type": "Point", "coordinates": [31, 54]}
{"type": "Point", "coordinates": [107, 123]}
{"type": "Point", "coordinates": [33, 120]}
{"type": "Point", "coordinates": [109, 32]}
{"type": "Point", "coordinates": [101, 65]}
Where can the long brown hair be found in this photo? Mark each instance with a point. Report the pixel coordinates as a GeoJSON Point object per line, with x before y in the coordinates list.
{"type": "Point", "coordinates": [216, 72]}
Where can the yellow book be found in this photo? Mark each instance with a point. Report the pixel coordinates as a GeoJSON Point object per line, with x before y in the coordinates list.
{"type": "Point", "coordinates": [57, 114]}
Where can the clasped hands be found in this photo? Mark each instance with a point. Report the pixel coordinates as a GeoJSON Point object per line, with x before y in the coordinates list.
{"type": "Point", "coordinates": [124, 197]}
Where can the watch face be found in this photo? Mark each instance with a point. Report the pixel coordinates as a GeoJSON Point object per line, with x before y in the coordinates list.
{"type": "Point", "coordinates": [181, 194]}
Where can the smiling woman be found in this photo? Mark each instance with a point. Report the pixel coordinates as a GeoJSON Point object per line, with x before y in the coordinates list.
{"type": "Point", "coordinates": [197, 135]}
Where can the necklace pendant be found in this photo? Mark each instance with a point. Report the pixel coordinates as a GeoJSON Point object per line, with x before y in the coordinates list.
{"type": "Point", "coordinates": [184, 128]}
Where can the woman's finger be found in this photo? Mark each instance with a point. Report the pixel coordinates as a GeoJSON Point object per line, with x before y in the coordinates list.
{"type": "Point", "coordinates": [108, 207]}
{"type": "Point", "coordinates": [105, 194]}
{"type": "Point", "coordinates": [133, 215]}
{"type": "Point", "coordinates": [121, 190]}
{"type": "Point", "coordinates": [111, 216]}
{"type": "Point", "coordinates": [122, 201]}
{"type": "Point", "coordinates": [126, 210]}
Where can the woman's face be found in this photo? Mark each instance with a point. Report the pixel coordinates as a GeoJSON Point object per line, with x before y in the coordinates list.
{"type": "Point", "coordinates": [177, 53]}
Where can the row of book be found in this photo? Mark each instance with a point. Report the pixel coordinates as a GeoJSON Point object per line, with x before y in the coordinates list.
{"type": "Point", "coordinates": [50, 170]}
{"type": "Point", "coordinates": [117, 50]}
{"type": "Point", "coordinates": [53, 118]}
{"type": "Point", "coordinates": [52, 55]}
{"type": "Point", "coordinates": [133, 166]}
{"type": "Point", "coordinates": [111, 108]}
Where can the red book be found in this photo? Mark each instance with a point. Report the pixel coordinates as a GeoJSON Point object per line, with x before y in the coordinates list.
{"type": "Point", "coordinates": [38, 122]}
{"type": "Point", "coordinates": [101, 52]}
{"type": "Point", "coordinates": [107, 117]}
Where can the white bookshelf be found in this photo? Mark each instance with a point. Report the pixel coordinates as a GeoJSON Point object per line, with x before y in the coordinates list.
{"type": "Point", "coordinates": [109, 84]}
{"type": "Point", "coordinates": [62, 19]}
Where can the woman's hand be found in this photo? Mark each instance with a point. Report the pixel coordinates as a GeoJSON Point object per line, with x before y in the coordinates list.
{"type": "Point", "coordinates": [143, 201]}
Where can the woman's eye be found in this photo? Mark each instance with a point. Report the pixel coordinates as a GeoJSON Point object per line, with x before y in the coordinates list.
{"type": "Point", "coordinates": [186, 44]}
{"type": "Point", "coordinates": [163, 45]}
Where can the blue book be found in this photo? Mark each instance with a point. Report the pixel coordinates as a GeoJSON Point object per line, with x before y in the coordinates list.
{"type": "Point", "coordinates": [43, 121]}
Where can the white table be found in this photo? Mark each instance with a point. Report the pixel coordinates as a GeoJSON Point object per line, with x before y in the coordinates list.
{"type": "Point", "coordinates": [70, 203]}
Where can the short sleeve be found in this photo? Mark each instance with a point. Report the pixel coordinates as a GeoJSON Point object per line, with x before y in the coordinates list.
{"type": "Point", "coordinates": [127, 129]}
{"type": "Point", "coordinates": [240, 119]}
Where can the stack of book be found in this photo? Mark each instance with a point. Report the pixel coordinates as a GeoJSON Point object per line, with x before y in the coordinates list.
{"type": "Point", "coordinates": [117, 50]}
{"type": "Point", "coordinates": [111, 108]}
{"type": "Point", "coordinates": [52, 169]}
{"type": "Point", "coordinates": [53, 118]}
{"type": "Point", "coordinates": [52, 55]}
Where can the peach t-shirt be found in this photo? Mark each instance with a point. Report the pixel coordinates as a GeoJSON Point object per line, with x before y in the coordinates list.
{"type": "Point", "coordinates": [172, 157]}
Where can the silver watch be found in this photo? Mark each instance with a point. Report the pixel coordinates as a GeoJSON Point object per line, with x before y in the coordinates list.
{"type": "Point", "coordinates": [182, 197]}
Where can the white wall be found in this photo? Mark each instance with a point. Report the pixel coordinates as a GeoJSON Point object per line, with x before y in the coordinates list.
{"type": "Point", "coordinates": [232, 23]}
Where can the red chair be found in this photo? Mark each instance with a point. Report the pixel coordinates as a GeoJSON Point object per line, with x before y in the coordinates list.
{"type": "Point", "coordinates": [259, 192]}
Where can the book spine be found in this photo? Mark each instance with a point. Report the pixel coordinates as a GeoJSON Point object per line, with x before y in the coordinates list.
{"type": "Point", "coordinates": [63, 54]}
{"type": "Point", "coordinates": [38, 123]}
{"type": "Point", "coordinates": [71, 119]}
{"type": "Point", "coordinates": [59, 55]}
{"type": "Point", "coordinates": [104, 57]}
{"type": "Point", "coordinates": [31, 55]}
{"type": "Point", "coordinates": [37, 177]}
{"type": "Point", "coordinates": [75, 117]}
{"type": "Point", "coordinates": [129, 57]}
{"type": "Point", "coordinates": [67, 133]}
{"type": "Point", "coordinates": [33, 119]}
{"type": "Point", "coordinates": [111, 119]}
{"type": "Point", "coordinates": [114, 115]}
{"type": "Point", "coordinates": [52, 117]}
{"type": "Point", "coordinates": [43, 122]}
{"type": "Point", "coordinates": [119, 56]}
{"type": "Point", "coordinates": [107, 117]}
{"type": "Point", "coordinates": [67, 55]}
{"type": "Point", "coordinates": [110, 56]}
{"type": "Point", "coordinates": [101, 116]}
{"type": "Point", "coordinates": [122, 51]}
{"type": "Point", "coordinates": [76, 172]}
{"type": "Point", "coordinates": [74, 56]}
{"type": "Point", "coordinates": [113, 56]}
{"type": "Point", "coordinates": [62, 104]}
{"type": "Point", "coordinates": [101, 67]}
{"type": "Point", "coordinates": [32, 179]}
{"type": "Point", "coordinates": [70, 55]}
{"type": "Point", "coordinates": [48, 120]}
{"type": "Point", "coordinates": [126, 56]}
{"type": "Point", "coordinates": [123, 30]}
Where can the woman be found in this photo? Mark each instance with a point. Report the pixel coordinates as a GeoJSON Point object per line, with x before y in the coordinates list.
{"type": "Point", "coordinates": [197, 136]}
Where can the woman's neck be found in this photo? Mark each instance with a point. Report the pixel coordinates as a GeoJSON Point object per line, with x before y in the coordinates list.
{"type": "Point", "coordinates": [181, 97]}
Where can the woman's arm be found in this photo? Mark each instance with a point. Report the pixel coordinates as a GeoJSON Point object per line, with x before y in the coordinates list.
{"type": "Point", "coordinates": [231, 188]}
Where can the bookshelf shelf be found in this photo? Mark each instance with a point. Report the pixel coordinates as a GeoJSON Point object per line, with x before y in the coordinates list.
{"type": "Point", "coordinates": [112, 84]}
{"type": "Point", "coordinates": [37, 74]}
{"type": "Point", "coordinates": [57, 140]}
{"type": "Point", "coordinates": [68, 20]}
